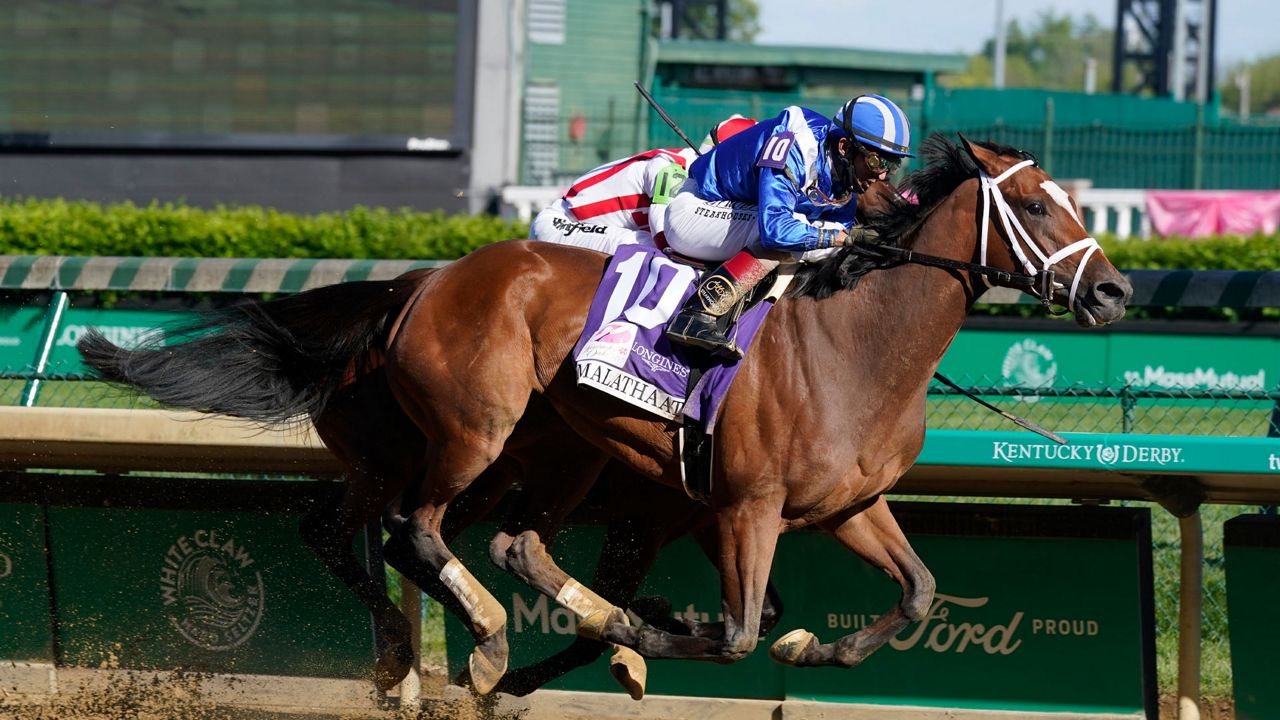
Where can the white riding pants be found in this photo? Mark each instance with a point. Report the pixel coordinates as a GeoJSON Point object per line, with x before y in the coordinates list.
{"type": "Point", "coordinates": [716, 230]}
{"type": "Point", "coordinates": [556, 224]}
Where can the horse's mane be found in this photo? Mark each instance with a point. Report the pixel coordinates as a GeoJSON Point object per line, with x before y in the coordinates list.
{"type": "Point", "coordinates": [947, 165]}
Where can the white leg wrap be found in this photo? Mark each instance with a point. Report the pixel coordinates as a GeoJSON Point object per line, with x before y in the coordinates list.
{"type": "Point", "coordinates": [487, 615]}
{"type": "Point", "coordinates": [580, 599]}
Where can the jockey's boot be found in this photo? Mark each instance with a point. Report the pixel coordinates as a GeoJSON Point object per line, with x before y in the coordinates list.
{"type": "Point", "coordinates": [704, 320]}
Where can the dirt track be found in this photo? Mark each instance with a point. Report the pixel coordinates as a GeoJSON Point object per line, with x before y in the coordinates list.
{"type": "Point", "coordinates": [122, 695]}
{"type": "Point", "coordinates": [109, 694]}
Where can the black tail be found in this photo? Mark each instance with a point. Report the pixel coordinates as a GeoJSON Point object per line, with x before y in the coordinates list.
{"type": "Point", "coordinates": [273, 362]}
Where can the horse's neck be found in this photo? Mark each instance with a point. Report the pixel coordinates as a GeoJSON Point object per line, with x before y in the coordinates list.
{"type": "Point", "coordinates": [889, 334]}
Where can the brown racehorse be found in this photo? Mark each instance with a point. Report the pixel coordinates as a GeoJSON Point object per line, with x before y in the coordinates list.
{"type": "Point", "coordinates": [826, 414]}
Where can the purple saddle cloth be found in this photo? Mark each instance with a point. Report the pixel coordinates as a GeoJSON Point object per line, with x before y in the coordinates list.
{"type": "Point", "coordinates": [624, 350]}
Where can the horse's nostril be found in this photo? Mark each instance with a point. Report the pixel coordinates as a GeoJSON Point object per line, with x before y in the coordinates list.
{"type": "Point", "coordinates": [1110, 291]}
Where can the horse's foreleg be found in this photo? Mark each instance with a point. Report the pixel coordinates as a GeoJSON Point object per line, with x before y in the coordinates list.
{"type": "Point", "coordinates": [657, 611]}
{"type": "Point", "coordinates": [875, 537]}
{"type": "Point", "coordinates": [748, 536]}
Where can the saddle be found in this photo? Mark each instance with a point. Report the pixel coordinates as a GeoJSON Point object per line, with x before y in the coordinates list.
{"type": "Point", "coordinates": [618, 352]}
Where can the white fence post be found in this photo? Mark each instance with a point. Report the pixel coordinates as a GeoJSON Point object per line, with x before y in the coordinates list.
{"type": "Point", "coordinates": [1125, 202]}
{"type": "Point", "coordinates": [529, 199]}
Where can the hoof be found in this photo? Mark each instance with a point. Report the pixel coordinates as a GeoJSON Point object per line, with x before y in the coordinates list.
{"type": "Point", "coordinates": [393, 666]}
{"type": "Point", "coordinates": [592, 626]}
{"type": "Point", "coordinates": [488, 662]}
{"type": "Point", "coordinates": [790, 647]}
{"type": "Point", "coordinates": [630, 670]}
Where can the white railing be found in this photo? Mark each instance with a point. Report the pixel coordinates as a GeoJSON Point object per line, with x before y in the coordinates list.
{"type": "Point", "coordinates": [529, 199]}
{"type": "Point", "coordinates": [1101, 204]}
{"type": "Point", "coordinates": [1100, 207]}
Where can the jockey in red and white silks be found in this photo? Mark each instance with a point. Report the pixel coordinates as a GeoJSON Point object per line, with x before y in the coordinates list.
{"type": "Point", "coordinates": [624, 202]}
{"type": "Point", "coordinates": [615, 204]}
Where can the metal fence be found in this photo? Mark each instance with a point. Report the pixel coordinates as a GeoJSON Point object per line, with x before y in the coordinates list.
{"type": "Point", "coordinates": [1210, 157]}
{"type": "Point", "coordinates": [1198, 157]}
{"type": "Point", "coordinates": [1119, 408]}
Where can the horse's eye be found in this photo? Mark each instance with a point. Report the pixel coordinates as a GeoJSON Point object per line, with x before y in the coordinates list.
{"type": "Point", "coordinates": [1035, 208]}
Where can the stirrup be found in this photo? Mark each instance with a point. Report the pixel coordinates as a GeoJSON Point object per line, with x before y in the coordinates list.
{"type": "Point", "coordinates": [702, 330]}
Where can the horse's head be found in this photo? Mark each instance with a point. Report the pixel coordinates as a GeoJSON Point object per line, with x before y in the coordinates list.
{"type": "Point", "coordinates": [1029, 224]}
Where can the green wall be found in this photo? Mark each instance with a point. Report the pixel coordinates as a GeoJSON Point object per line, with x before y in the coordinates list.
{"type": "Point", "coordinates": [594, 69]}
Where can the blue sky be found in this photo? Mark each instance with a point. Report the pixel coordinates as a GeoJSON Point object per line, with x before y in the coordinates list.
{"type": "Point", "coordinates": [1247, 29]}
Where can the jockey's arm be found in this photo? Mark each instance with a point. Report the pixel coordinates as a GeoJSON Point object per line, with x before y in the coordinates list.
{"type": "Point", "coordinates": [664, 179]}
{"type": "Point", "coordinates": [780, 228]}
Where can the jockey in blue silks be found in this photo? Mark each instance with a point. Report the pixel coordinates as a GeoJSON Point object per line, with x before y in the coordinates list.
{"type": "Point", "coordinates": [775, 191]}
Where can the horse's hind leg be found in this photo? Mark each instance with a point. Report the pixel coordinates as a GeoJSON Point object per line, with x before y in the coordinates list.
{"type": "Point", "coordinates": [875, 537]}
{"type": "Point", "coordinates": [624, 560]}
{"type": "Point", "coordinates": [328, 530]}
{"type": "Point", "coordinates": [418, 550]}
{"type": "Point", "coordinates": [559, 470]}
{"type": "Point", "coordinates": [382, 452]}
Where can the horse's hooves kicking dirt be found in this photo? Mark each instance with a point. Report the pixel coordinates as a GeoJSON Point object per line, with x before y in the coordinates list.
{"type": "Point", "coordinates": [630, 670]}
{"type": "Point", "coordinates": [788, 649]}
{"type": "Point", "coordinates": [488, 662]}
{"type": "Point", "coordinates": [395, 663]}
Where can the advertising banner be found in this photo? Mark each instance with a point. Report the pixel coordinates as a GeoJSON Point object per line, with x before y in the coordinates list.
{"type": "Point", "coordinates": [19, 336]}
{"type": "Point", "coordinates": [1119, 452]}
{"type": "Point", "coordinates": [24, 585]}
{"type": "Point", "coordinates": [1038, 608]}
{"type": "Point", "coordinates": [207, 591]}
{"type": "Point", "coordinates": [1028, 360]}
{"type": "Point", "coordinates": [1191, 362]}
{"type": "Point", "coordinates": [1252, 550]}
{"type": "Point", "coordinates": [1146, 361]}
{"type": "Point", "coordinates": [20, 329]}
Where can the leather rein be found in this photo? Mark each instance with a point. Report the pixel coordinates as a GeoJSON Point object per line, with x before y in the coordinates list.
{"type": "Point", "coordinates": [1040, 283]}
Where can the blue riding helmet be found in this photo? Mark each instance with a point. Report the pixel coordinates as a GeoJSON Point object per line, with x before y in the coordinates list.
{"type": "Point", "coordinates": [876, 121]}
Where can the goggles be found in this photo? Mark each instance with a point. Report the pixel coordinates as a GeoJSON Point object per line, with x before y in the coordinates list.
{"type": "Point", "coordinates": [876, 162]}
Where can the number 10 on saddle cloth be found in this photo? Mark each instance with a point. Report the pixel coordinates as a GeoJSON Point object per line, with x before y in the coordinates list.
{"type": "Point", "coordinates": [624, 352]}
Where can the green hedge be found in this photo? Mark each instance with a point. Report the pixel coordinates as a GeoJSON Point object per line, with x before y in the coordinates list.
{"type": "Point", "coordinates": [1227, 252]}
{"type": "Point", "coordinates": [58, 227]}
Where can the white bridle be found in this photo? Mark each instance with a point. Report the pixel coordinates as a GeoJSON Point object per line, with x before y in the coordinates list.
{"type": "Point", "coordinates": [1017, 241]}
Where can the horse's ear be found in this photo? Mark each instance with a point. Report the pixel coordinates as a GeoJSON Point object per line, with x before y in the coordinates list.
{"type": "Point", "coordinates": [982, 157]}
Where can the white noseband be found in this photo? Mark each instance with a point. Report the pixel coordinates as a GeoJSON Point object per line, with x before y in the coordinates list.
{"type": "Point", "coordinates": [1019, 241]}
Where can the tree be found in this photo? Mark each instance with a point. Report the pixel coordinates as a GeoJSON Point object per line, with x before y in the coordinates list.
{"type": "Point", "coordinates": [1264, 86]}
{"type": "Point", "coordinates": [1051, 54]}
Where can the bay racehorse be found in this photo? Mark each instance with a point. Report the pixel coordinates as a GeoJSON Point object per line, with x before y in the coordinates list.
{"type": "Point", "coordinates": [826, 414]}
{"type": "Point", "coordinates": [383, 454]}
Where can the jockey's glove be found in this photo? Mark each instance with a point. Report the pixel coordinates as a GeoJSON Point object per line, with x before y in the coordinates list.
{"type": "Point", "coordinates": [862, 234]}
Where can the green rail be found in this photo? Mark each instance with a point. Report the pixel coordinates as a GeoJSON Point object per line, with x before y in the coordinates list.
{"type": "Point", "coordinates": [163, 274]}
